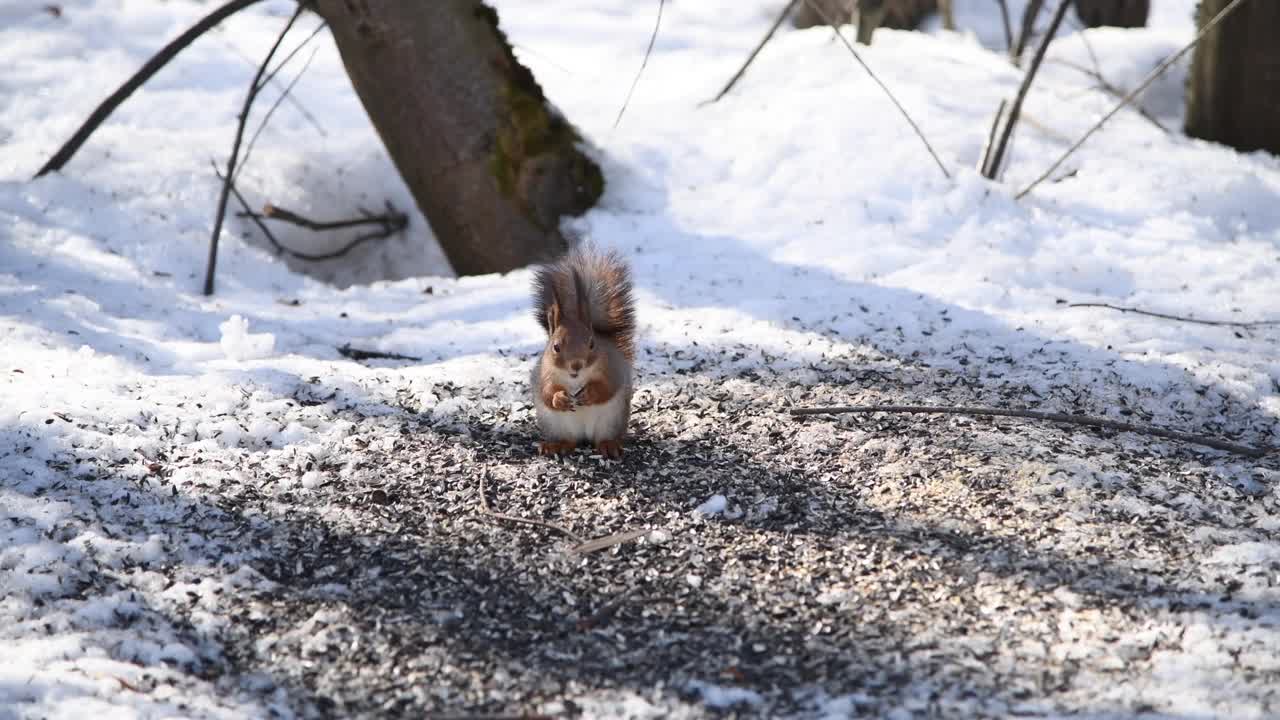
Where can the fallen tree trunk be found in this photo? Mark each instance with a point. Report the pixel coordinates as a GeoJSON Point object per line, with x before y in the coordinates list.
{"type": "Point", "coordinates": [490, 164]}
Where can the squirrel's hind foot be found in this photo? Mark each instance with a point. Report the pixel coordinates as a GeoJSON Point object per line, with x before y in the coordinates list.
{"type": "Point", "coordinates": [610, 448]}
{"type": "Point", "coordinates": [556, 447]}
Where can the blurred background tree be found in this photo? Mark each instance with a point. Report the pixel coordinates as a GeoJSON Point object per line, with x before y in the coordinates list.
{"type": "Point", "coordinates": [1233, 92]}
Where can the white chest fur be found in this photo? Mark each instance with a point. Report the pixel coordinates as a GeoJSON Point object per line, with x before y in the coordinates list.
{"type": "Point", "coordinates": [593, 423]}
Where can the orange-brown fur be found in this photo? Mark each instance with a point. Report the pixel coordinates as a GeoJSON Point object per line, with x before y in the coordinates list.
{"type": "Point", "coordinates": [584, 303]}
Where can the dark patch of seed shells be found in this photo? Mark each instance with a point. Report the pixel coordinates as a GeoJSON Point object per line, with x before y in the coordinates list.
{"type": "Point", "coordinates": [923, 564]}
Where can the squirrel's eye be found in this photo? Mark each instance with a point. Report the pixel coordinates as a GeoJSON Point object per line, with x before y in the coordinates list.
{"type": "Point", "coordinates": [591, 345]}
{"type": "Point", "coordinates": [556, 347]}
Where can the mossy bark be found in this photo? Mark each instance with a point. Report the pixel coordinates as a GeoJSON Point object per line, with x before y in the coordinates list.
{"type": "Point", "coordinates": [1233, 91]}
{"type": "Point", "coordinates": [491, 164]}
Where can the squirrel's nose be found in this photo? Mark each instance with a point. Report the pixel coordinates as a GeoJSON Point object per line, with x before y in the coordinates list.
{"type": "Point", "coordinates": [576, 365]}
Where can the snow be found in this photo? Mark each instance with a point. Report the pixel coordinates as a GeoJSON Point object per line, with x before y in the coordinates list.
{"type": "Point", "coordinates": [714, 505]}
{"type": "Point", "coordinates": [796, 220]}
{"type": "Point", "coordinates": [724, 697]}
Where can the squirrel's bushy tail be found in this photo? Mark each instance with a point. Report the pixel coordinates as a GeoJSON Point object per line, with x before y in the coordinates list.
{"type": "Point", "coordinates": [607, 282]}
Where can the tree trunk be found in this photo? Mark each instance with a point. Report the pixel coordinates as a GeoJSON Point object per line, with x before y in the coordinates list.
{"type": "Point", "coordinates": [1113, 13]}
{"type": "Point", "coordinates": [1233, 92]}
{"type": "Point", "coordinates": [492, 167]}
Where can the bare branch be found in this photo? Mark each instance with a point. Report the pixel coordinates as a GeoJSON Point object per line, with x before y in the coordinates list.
{"type": "Point", "coordinates": [297, 105]}
{"type": "Point", "coordinates": [1008, 28]}
{"type": "Point", "coordinates": [248, 212]}
{"type": "Point", "coordinates": [1049, 417]}
{"type": "Point", "coordinates": [151, 67]}
{"type": "Point", "coordinates": [647, 52]}
{"type": "Point", "coordinates": [608, 541]}
{"type": "Point", "coordinates": [486, 510]}
{"type": "Point", "coordinates": [1106, 86]}
{"type": "Point", "coordinates": [1179, 318]}
{"type": "Point", "coordinates": [248, 150]}
{"type": "Point", "coordinates": [357, 354]}
{"type": "Point", "coordinates": [836, 29]}
{"type": "Point", "coordinates": [254, 88]}
{"type": "Point", "coordinates": [1029, 15]}
{"type": "Point", "coordinates": [992, 167]}
{"type": "Point", "coordinates": [387, 224]}
{"type": "Point", "coordinates": [782, 16]}
{"type": "Point", "coordinates": [391, 221]}
{"type": "Point", "coordinates": [1222, 14]}
{"type": "Point", "coordinates": [991, 140]}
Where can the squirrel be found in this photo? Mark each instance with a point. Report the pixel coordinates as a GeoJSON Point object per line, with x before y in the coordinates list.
{"type": "Point", "coordinates": [582, 382]}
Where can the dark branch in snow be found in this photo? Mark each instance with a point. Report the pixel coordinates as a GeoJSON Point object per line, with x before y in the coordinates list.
{"type": "Point", "coordinates": [388, 223]}
{"type": "Point", "coordinates": [991, 166]}
{"type": "Point", "coordinates": [782, 16]}
{"type": "Point", "coordinates": [1134, 93]}
{"type": "Point", "coordinates": [357, 354]}
{"type": "Point", "coordinates": [1085, 420]}
{"type": "Point", "coordinates": [817, 8]}
{"type": "Point", "coordinates": [1179, 318]}
{"type": "Point", "coordinates": [647, 52]}
{"type": "Point", "coordinates": [151, 67]}
{"type": "Point", "coordinates": [1029, 15]}
{"type": "Point", "coordinates": [1106, 86]}
{"type": "Point", "coordinates": [1008, 28]}
{"type": "Point", "coordinates": [228, 178]}
{"type": "Point", "coordinates": [248, 150]}
{"type": "Point", "coordinates": [991, 138]}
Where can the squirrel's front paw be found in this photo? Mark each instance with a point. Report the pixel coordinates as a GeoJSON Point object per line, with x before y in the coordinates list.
{"type": "Point", "coordinates": [562, 401]}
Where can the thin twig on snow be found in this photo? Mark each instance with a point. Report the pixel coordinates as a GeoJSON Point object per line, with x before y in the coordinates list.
{"type": "Point", "coordinates": [357, 354]}
{"type": "Point", "coordinates": [266, 118]}
{"type": "Point", "coordinates": [992, 165]}
{"type": "Point", "coordinates": [816, 7]}
{"type": "Point", "coordinates": [985, 157]}
{"type": "Point", "coordinates": [144, 73]}
{"type": "Point", "coordinates": [1084, 420]}
{"type": "Point", "coordinates": [1222, 14]}
{"type": "Point", "coordinates": [647, 52]}
{"type": "Point", "coordinates": [1029, 15]}
{"type": "Point", "coordinates": [1179, 318]}
{"type": "Point", "coordinates": [1008, 28]}
{"type": "Point", "coordinates": [782, 16]}
{"type": "Point", "coordinates": [229, 177]}
{"type": "Point", "coordinates": [387, 224]}
{"type": "Point", "coordinates": [1113, 90]}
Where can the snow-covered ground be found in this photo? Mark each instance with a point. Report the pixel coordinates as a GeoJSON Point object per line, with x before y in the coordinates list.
{"type": "Point", "coordinates": [796, 224]}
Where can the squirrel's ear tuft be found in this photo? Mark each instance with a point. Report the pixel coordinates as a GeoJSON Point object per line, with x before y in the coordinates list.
{"type": "Point", "coordinates": [553, 310]}
{"type": "Point", "coordinates": [580, 297]}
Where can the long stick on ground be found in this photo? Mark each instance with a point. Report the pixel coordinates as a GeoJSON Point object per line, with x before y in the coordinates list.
{"type": "Point", "coordinates": [1085, 420]}
{"type": "Point", "coordinates": [486, 510]}
{"type": "Point", "coordinates": [1179, 318]}
{"type": "Point", "coordinates": [992, 166]}
{"type": "Point", "coordinates": [817, 8]}
{"type": "Point", "coordinates": [230, 174]}
{"type": "Point", "coordinates": [1222, 14]}
{"type": "Point", "coordinates": [782, 17]}
{"type": "Point", "coordinates": [151, 67]}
